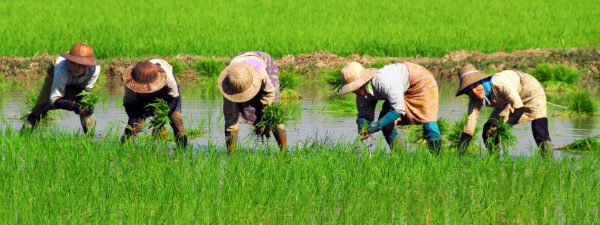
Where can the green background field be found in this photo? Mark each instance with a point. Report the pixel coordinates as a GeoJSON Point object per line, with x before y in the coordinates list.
{"type": "Point", "coordinates": [386, 27]}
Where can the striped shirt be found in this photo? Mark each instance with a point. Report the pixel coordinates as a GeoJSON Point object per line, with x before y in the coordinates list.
{"type": "Point", "coordinates": [63, 77]}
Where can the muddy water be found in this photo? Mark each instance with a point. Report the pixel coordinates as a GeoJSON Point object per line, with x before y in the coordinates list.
{"type": "Point", "coordinates": [310, 123]}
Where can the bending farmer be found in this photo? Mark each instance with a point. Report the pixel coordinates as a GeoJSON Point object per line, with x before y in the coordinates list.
{"type": "Point", "coordinates": [516, 97]}
{"type": "Point", "coordinates": [146, 82]}
{"type": "Point", "coordinates": [72, 73]}
{"type": "Point", "coordinates": [410, 95]}
{"type": "Point", "coordinates": [248, 84]}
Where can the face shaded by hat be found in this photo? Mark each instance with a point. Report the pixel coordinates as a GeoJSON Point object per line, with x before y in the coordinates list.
{"type": "Point", "coordinates": [145, 77]}
{"type": "Point", "coordinates": [82, 54]}
{"type": "Point", "coordinates": [354, 76]}
{"type": "Point", "coordinates": [239, 82]}
{"type": "Point", "coordinates": [469, 75]}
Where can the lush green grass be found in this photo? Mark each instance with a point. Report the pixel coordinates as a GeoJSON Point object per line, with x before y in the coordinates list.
{"type": "Point", "coordinates": [70, 179]}
{"type": "Point", "coordinates": [556, 77]}
{"type": "Point", "coordinates": [138, 28]}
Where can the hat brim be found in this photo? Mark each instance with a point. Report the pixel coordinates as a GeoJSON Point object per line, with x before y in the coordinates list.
{"type": "Point", "coordinates": [230, 94]}
{"type": "Point", "coordinates": [365, 76]}
{"type": "Point", "coordinates": [142, 88]}
{"type": "Point", "coordinates": [470, 79]}
{"type": "Point", "coordinates": [87, 61]}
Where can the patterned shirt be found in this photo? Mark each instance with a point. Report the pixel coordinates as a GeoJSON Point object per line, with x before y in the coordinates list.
{"type": "Point", "coordinates": [269, 93]}
{"type": "Point", "coordinates": [63, 77]}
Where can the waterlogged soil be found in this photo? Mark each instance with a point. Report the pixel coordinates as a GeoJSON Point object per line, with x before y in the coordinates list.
{"type": "Point", "coordinates": [311, 120]}
{"type": "Point", "coordinates": [310, 123]}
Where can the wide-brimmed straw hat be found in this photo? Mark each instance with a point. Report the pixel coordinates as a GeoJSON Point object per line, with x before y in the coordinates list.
{"type": "Point", "coordinates": [354, 76]}
{"type": "Point", "coordinates": [81, 53]}
{"type": "Point", "coordinates": [145, 77]}
{"type": "Point", "coordinates": [239, 82]}
{"type": "Point", "coordinates": [468, 75]}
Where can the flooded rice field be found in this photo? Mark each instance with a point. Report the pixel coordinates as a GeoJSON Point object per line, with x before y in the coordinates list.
{"type": "Point", "coordinates": [311, 119]}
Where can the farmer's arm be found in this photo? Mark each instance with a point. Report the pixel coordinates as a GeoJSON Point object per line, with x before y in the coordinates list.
{"type": "Point", "coordinates": [134, 113]}
{"type": "Point", "coordinates": [268, 90]}
{"type": "Point", "coordinates": [514, 99]}
{"type": "Point", "coordinates": [366, 112]}
{"type": "Point", "coordinates": [392, 83]}
{"type": "Point", "coordinates": [60, 80]}
{"type": "Point", "coordinates": [469, 129]}
{"type": "Point", "coordinates": [90, 83]}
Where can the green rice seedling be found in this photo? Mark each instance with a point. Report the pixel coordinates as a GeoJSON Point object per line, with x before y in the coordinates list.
{"type": "Point", "coordinates": [456, 131]}
{"type": "Point", "coordinates": [415, 132]}
{"type": "Point", "coordinates": [333, 77]}
{"type": "Point", "coordinates": [273, 115]}
{"type": "Point", "coordinates": [502, 136]}
{"type": "Point", "coordinates": [289, 81]}
{"type": "Point", "coordinates": [209, 68]}
{"type": "Point", "coordinates": [293, 109]}
{"type": "Point", "coordinates": [88, 100]}
{"type": "Point", "coordinates": [556, 77]}
{"type": "Point", "coordinates": [178, 66]}
{"type": "Point", "coordinates": [160, 118]}
{"type": "Point", "coordinates": [582, 103]}
{"type": "Point", "coordinates": [589, 144]}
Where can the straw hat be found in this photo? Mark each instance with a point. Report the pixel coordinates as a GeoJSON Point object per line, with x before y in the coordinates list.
{"type": "Point", "coordinates": [354, 76]}
{"type": "Point", "coordinates": [239, 82]}
{"type": "Point", "coordinates": [81, 53]}
{"type": "Point", "coordinates": [145, 77]}
{"type": "Point", "coordinates": [468, 75]}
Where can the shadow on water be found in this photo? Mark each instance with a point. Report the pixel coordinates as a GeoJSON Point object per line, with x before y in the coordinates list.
{"type": "Point", "coordinates": [310, 117]}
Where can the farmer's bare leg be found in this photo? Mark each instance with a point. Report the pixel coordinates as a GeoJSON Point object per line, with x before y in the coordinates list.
{"type": "Point", "coordinates": [542, 136]}
{"type": "Point", "coordinates": [178, 129]}
{"type": "Point", "coordinates": [280, 136]}
{"type": "Point", "coordinates": [134, 126]}
{"type": "Point", "coordinates": [231, 137]}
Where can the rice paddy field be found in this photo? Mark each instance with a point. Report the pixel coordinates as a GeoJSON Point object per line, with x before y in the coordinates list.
{"type": "Point", "coordinates": [57, 178]}
{"type": "Point", "coordinates": [57, 175]}
{"type": "Point", "coordinates": [383, 28]}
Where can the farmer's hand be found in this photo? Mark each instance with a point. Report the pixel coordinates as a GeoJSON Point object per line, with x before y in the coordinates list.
{"type": "Point", "coordinates": [364, 136]}
{"type": "Point", "coordinates": [86, 111]}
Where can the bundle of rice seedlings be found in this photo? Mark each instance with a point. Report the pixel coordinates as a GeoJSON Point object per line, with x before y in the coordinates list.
{"type": "Point", "coordinates": [502, 136]}
{"type": "Point", "coordinates": [88, 100]}
{"type": "Point", "coordinates": [209, 68]}
{"type": "Point", "coordinates": [556, 77]}
{"type": "Point", "coordinates": [273, 115]}
{"type": "Point", "coordinates": [456, 131]}
{"type": "Point", "coordinates": [589, 144]}
{"type": "Point", "coordinates": [289, 81]}
{"type": "Point", "coordinates": [415, 132]}
{"type": "Point", "coordinates": [160, 118]}
{"type": "Point", "coordinates": [582, 103]}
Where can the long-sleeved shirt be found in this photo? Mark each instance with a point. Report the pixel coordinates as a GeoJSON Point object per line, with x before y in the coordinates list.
{"type": "Point", "coordinates": [269, 91]}
{"type": "Point", "coordinates": [510, 90]}
{"type": "Point", "coordinates": [135, 103]}
{"type": "Point", "coordinates": [389, 84]}
{"type": "Point", "coordinates": [63, 77]}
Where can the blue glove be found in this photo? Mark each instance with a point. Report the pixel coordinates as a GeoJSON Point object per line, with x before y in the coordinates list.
{"type": "Point", "coordinates": [388, 118]}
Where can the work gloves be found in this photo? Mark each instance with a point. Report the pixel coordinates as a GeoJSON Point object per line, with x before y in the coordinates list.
{"type": "Point", "coordinates": [515, 117]}
{"type": "Point", "coordinates": [67, 105]}
{"type": "Point", "coordinates": [387, 119]}
{"type": "Point", "coordinates": [465, 140]}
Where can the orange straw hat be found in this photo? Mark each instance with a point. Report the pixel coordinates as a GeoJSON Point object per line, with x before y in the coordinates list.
{"type": "Point", "coordinates": [239, 82]}
{"type": "Point", "coordinates": [145, 77]}
{"type": "Point", "coordinates": [81, 53]}
{"type": "Point", "coordinates": [354, 76]}
{"type": "Point", "coordinates": [468, 75]}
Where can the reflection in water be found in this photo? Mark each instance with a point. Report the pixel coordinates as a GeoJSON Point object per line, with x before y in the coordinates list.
{"type": "Point", "coordinates": [309, 118]}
